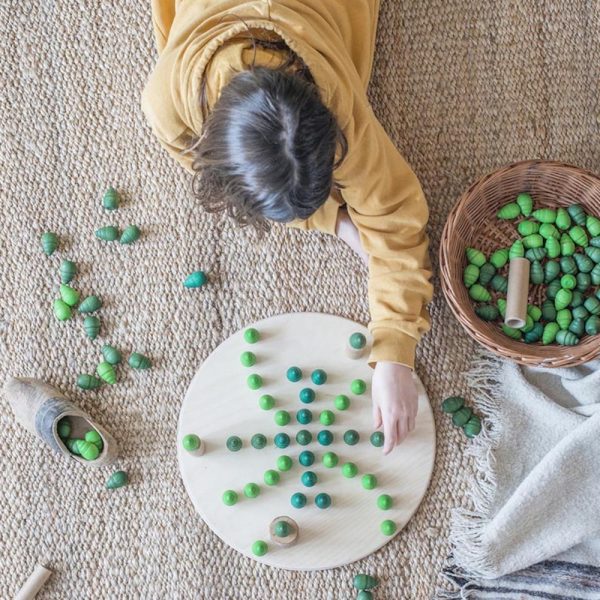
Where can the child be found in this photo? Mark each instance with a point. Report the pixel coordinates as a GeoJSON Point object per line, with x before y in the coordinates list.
{"type": "Point", "coordinates": [265, 102]}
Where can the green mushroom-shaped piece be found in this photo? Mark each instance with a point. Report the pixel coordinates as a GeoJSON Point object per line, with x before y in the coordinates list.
{"type": "Point", "coordinates": [475, 257]}
{"type": "Point", "coordinates": [88, 382]}
{"type": "Point", "coordinates": [509, 211]}
{"type": "Point", "coordinates": [90, 304]}
{"type": "Point", "coordinates": [139, 361]}
{"type": "Point", "coordinates": [68, 270]}
{"type": "Point", "coordinates": [49, 242]}
{"type": "Point", "coordinates": [108, 234]}
{"type": "Point", "coordinates": [117, 480]}
{"type": "Point", "coordinates": [106, 372]}
{"type": "Point", "coordinates": [62, 311]}
{"type": "Point", "coordinates": [69, 295]}
{"type": "Point", "coordinates": [479, 293]}
{"type": "Point", "coordinates": [110, 200]}
{"type": "Point", "coordinates": [111, 354]}
{"type": "Point", "coordinates": [130, 235]}
{"type": "Point", "coordinates": [91, 326]}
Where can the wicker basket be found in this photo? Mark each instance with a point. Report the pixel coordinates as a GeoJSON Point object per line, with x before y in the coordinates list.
{"type": "Point", "coordinates": [472, 222]}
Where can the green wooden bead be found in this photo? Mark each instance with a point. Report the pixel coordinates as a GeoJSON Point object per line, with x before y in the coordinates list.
{"type": "Point", "coordinates": [63, 428]}
{"type": "Point", "coordinates": [551, 271]}
{"type": "Point", "coordinates": [342, 402]}
{"type": "Point", "coordinates": [248, 359]}
{"type": "Point", "coordinates": [322, 500]}
{"type": "Point", "coordinates": [309, 478]}
{"type": "Point", "coordinates": [282, 418]}
{"type": "Point", "coordinates": [564, 318]}
{"type": "Point", "coordinates": [475, 257]}
{"type": "Point", "coordinates": [552, 247]}
{"type": "Point", "coordinates": [580, 312]}
{"type": "Point", "coordinates": [563, 298]}
{"type": "Point", "coordinates": [578, 298]}
{"type": "Point", "coordinates": [533, 241]}
{"type": "Point", "coordinates": [73, 445]}
{"type": "Point", "coordinates": [358, 387]}
{"type": "Point", "coordinates": [487, 312]}
{"type": "Point", "coordinates": [68, 270]}
{"type": "Point", "coordinates": [130, 235]}
{"type": "Point", "coordinates": [536, 272]}
{"type": "Point", "coordinates": [251, 490]}
{"type": "Point", "coordinates": [535, 254]}
{"type": "Point", "coordinates": [294, 374]}
{"type": "Point", "coordinates": [577, 327]}
{"type": "Point", "coordinates": [550, 331]}
{"type": "Point", "coordinates": [284, 463]}
{"type": "Point", "coordinates": [327, 418]}
{"type": "Point", "coordinates": [548, 310]}
{"type": "Point", "coordinates": [330, 459]}
{"type": "Point", "coordinates": [452, 404]}
{"type": "Point", "coordinates": [563, 220]}
{"type": "Point", "coordinates": [568, 265]}
{"type": "Point", "coordinates": [251, 335]}
{"type": "Point", "coordinates": [583, 282]}
{"type": "Point", "coordinates": [385, 502]}
{"type": "Point", "coordinates": [577, 213]}
{"type": "Point", "coordinates": [91, 326]}
{"type": "Point", "coordinates": [259, 548]}
{"type": "Point", "coordinates": [534, 312]}
{"type": "Point", "coordinates": [282, 529]}
{"type": "Point", "coordinates": [528, 227]}
{"type": "Point", "coordinates": [304, 437]}
{"type": "Point", "coordinates": [525, 203]}
{"type": "Point", "coordinates": [234, 443]}
{"type": "Point", "coordinates": [254, 381]}
{"type": "Point", "coordinates": [472, 427]}
{"type": "Point", "coordinates": [511, 332]}
{"type": "Point", "coordinates": [595, 275]}
{"type": "Point", "coordinates": [566, 338]}
{"type": "Point", "coordinates": [535, 335]}
{"type": "Point", "coordinates": [230, 497]}
{"type": "Point", "coordinates": [258, 441]}
{"type": "Point", "coordinates": [568, 282]}
{"type": "Point", "coordinates": [349, 470]}
{"type": "Point", "coordinates": [517, 250]}
{"type": "Point", "coordinates": [584, 263]}
{"type": "Point", "coordinates": [567, 245]}
{"type": "Point", "coordinates": [548, 230]}
{"type": "Point", "coordinates": [108, 233]}
{"type": "Point", "coordinates": [304, 416]}
{"type": "Point", "coordinates": [90, 304]}
{"type": "Point", "coordinates": [281, 440]}
{"type": "Point", "coordinates": [499, 283]}
{"type": "Point", "coordinates": [62, 311]}
{"type": "Point", "coordinates": [479, 293]}
{"type": "Point", "coordinates": [88, 382]}
{"type": "Point", "coordinates": [461, 416]}
{"type": "Point", "coordinates": [325, 437]}
{"type": "Point", "coordinates": [388, 527]}
{"type": "Point", "coordinates": [117, 480]}
{"type": "Point", "coordinates": [266, 402]}
{"type": "Point", "coordinates": [499, 258]}
{"type": "Point", "coordinates": [593, 253]}
{"type": "Point", "coordinates": [351, 437]}
{"type": "Point", "coordinates": [87, 450]}
{"type": "Point", "coordinates": [578, 235]}
{"type": "Point", "coordinates": [106, 372]}
{"type": "Point", "coordinates": [306, 395]}
{"type": "Point", "coordinates": [139, 361]}
{"type": "Point", "coordinates": [544, 215]}
{"type": "Point", "coordinates": [190, 442]}
{"type": "Point", "coordinates": [593, 305]}
{"type": "Point", "coordinates": [509, 211]}
{"type": "Point", "coordinates": [306, 458]}
{"type": "Point", "coordinates": [271, 477]}
{"type": "Point", "coordinates": [502, 307]}
{"type": "Point", "coordinates": [486, 272]}
{"type": "Point", "coordinates": [111, 354]}
{"type": "Point", "coordinates": [369, 481]}
{"type": "Point", "coordinates": [529, 324]}
{"type": "Point", "coordinates": [298, 500]}
{"type": "Point", "coordinates": [110, 200]}
{"type": "Point", "coordinates": [377, 439]}
{"type": "Point", "coordinates": [195, 280]}
{"type": "Point", "coordinates": [318, 377]}
{"type": "Point", "coordinates": [50, 242]}
{"type": "Point", "coordinates": [593, 225]}
{"type": "Point", "coordinates": [553, 289]}
{"type": "Point", "coordinates": [592, 325]}
{"type": "Point", "coordinates": [595, 242]}
{"type": "Point", "coordinates": [364, 582]}
{"type": "Point", "coordinates": [357, 341]}
{"type": "Point", "coordinates": [69, 295]}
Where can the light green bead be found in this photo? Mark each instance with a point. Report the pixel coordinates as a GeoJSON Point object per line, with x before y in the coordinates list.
{"type": "Point", "coordinates": [534, 312]}
{"type": "Point", "coordinates": [94, 437]}
{"type": "Point", "coordinates": [593, 225]}
{"type": "Point", "coordinates": [342, 402]}
{"type": "Point", "coordinates": [358, 387]}
{"type": "Point", "coordinates": [517, 250]}
{"type": "Point", "coordinates": [106, 372]}
{"type": "Point", "coordinates": [327, 418]}
{"type": "Point", "coordinates": [251, 490]}
{"type": "Point", "coordinates": [568, 282]}
{"type": "Point", "coordinates": [271, 477]}
{"type": "Point", "coordinates": [259, 548]}
{"type": "Point", "coordinates": [251, 335]}
{"type": "Point", "coordinates": [528, 227]}
{"type": "Point", "coordinates": [62, 311]}
{"type": "Point", "coordinates": [369, 481]}
{"type": "Point", "coordinates": [567, 246]}
{"type": "Point", "coordinates": [548, 230]}
{"type": "Point", "coordinates": [550, 331]}
{"type": "Point", "coordinates": [470, 275]}
{"type": "Point", "coordinates": [190, 442]}
{"type": "Point", "coordinates": [509, 211]}
{"type": "Point", "coordinates": [563, 298]}
{"type": "Point", "coordinates": [254, 381]}
{"type": "Point", "coordinates": [533, 241]}
{"type": "Point", "coordinates": [388, 527]}
{"type": "Point", "coordinates": [525, 203]}
{"type": "Point", "coordinates": [552, 247]}
{"type": "Point", "coordinates": [385, 502]}
{"type": "Point", "coordinates": [87, 450]}
{"type": "Point", "coordinates": [479, 293]}
{"type": "Point", "coordinates": [499, 258]}
{"type": "Point", "coordinates": [248, 359]}
{"type": "Point", "coordinates": [284, 463]}
{"type": "Point", "coordinates": [110, 200]}
{"type": "Point", "coordinates": [511, 332]}
{"type": "Point", "coordinates": [545, 215]}
{"type": "Point", "coordinates": [282, 418]}
{"type": "Point", "coordinates": [266, 402]}
{"type": "Point", "coordinates": [566, 338]}
{"type": "Point", "coordinates": [475, 257]}
{"type": "Point", "coordinates": [563, 220]}
{"type": "Point", "coordinates": [349, 470]}
{"type": "Point", "coordinates": [330, 459]}
{"type": "Point", "coordinates": [564, 318]}
{"type": "Point", "coordinates": [578, 235]}
{"type": "Point", "coordinates": [230, 497]}
{"type": "Point", "coordinates": [69, 295]}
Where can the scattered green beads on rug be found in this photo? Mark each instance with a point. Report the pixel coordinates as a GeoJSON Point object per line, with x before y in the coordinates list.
{"type": "Point", "coordinates": [117, 480]}
{"type": "Point", "coordinates": [248, 359]}
{"type": "Point", "coordinates": [266, 402]}
{"type": "Point", "coordinates": [91, 326]}
{"type": "Point", "coordinates": [69, 295]}
{"type": "Point", "coordinates": [49, 242]}
{"type": "Point", "coordinates": [251, 335]}
{"type": "Point", "coordinates": [106, 372]}
{"type": "Point", "coordinates": [234, 443]}
{"type": "Point", "coordinates": [111, 354]}
{"type": "Point", "coordinates": [139, 361]}
{"type": "Point", "coordinates": [195, 280]}
{"type": "Point", "coordinates": [130, 234]}
{"type": "Point", "coordinates": [68, 270]}
{"type": "Point", "coordinates": [462, 416]}
{"type": "Point", "coordinates": [342, 402]}
{"type": "Point", "coordinates": [258, 441]}
{"type": "Point", "coordinates": [259, 548]}
{"type": "Point", "coordinates": [358, 387]}
{"type": "Point", "coordinates": [62, 311]}
{"type": "Point", "coordinates": [110, 200]}
{"type": "Point", "coordinates": [254, 381]}
{"type": "Point", "coordinates": [108, 233]}
{"type": "Point", "coordinates": [294, 374]}
{"type": "Point", "coordinates": [90, 304]}
{"type": "Point", "coordinates": [282, 418]}
{"type": "Point", "coordinates": [306, 395]}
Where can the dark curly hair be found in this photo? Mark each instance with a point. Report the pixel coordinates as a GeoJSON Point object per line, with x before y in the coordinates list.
{"type": "Point", "coordinates": [268, 148]}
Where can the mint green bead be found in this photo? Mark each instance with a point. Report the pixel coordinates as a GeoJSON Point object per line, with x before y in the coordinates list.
{"type": "Point", "coordinates": [90, 304]}
{"type": "Point", "coordinates": [248, 359]}
{"type": "Point", "coordinates": [304, 437]}
{"type": "Point", "coordinates": [254, 381]}
{"type": "Point", "coordinates": [271, 477]}
{"type": "Point", "coordinates": [358, 387]}
{"type": "Point", "coordinates": [68, 270]}
{"type": "Point", "coordinates": [306, 458]}
{"type": "Point", "coordinates": [49, 242]}
{"type": "Point", "coordinates": [91, 326]}
{"type": "Point", "coordinates": [130, 234]}
{"type": "Point", "coordinates": [282, 418]}
{"type": "Point", "coordinates": [357, 341]}
{"type": "Point", "coordinates": [139, 361]}
{"type": "Point", "coordinates": [385, 502]}
{"type": "Point", "coordinates": [349, 470]}
{"type": "Point", "coordinates": [342, 402]}
{"type": "Point", "coordinates": [63, 428]}
{"type": "Point", "coordinates": [284, 463]}
{"type": "Point", "coordinates": [111, 354]}
{"type": "Point", "coordinates": [266, 402]}
{"type": "Point", "coordinates": [281, 529]}
{"type": "Point", "coordinates": [369, 481]}
{"type": "Point", "coordinates": [251, 335]}
{"type": "Point", "coordinates": [190, 442]}
{"type": "Point", "coordinates": [107, 234]}
{"type": "Point", "coordinates": [327, 418]}
{"type": "Point", "coordinates": [364, 595]}
{"type": "Point", "coordinates": [69, 295]}
{"type": "Point", "coordinates": [318, 377]}
{"type": "Point", "coordinates": [330, 459]}
{"type": "Point", "coordinates": [87, 450]}
{"type": "Point", "coordinates": [62, 311]}
{"type": "Point", "coordinates": [251, 490]}
{"type": "Point", "coordinates": [229, 497]}
{"type": "Point", "coordinates": [110, 200]}
{"type": "Point", "coordinates": [116, 480]}
{"type": "Point", "coordinates": [388, 527]}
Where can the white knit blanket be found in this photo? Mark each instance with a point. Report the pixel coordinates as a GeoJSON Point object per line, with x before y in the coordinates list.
{"type": "Point", "coordinates": [537, 493]}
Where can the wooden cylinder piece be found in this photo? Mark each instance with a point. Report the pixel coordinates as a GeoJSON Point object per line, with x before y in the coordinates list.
{"type": "Point", "coordinates": [518, 290]}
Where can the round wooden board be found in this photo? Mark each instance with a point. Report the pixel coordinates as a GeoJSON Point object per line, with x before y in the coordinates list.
{"type": "Point", "coordinates": [219, 404]}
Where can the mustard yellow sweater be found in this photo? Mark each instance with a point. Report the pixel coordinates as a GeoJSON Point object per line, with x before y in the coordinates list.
{"type": "Point", "coordinates": [204, 40]}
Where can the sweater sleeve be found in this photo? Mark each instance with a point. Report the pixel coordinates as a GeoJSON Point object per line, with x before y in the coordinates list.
{"type": "Point", "coordinates": [387, 205]}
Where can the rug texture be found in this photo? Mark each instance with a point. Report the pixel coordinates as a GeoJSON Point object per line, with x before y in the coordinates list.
{"type": "Point", "coordinates": [462, 87]}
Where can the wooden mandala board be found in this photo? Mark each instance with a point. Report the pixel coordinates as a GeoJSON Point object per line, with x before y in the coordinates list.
{"type": "Point", "coordinates": [219, 404]}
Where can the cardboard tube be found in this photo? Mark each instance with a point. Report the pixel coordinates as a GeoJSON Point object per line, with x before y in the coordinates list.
{"type": "Point", "coordinates": [34, 584]}
{"type": "Point", "coordinates": [518, 291]}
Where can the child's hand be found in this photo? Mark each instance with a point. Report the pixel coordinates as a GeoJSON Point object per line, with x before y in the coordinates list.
{"type": "Point", "coordinates": [395, 402]}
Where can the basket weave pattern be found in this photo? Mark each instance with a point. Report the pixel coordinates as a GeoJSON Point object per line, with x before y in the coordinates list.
{"type": "Point", "coordinates": [473, 222]}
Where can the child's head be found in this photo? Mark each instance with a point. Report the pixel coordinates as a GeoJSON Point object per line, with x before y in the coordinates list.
{"type": "Point", "coordinates": [267, 150]}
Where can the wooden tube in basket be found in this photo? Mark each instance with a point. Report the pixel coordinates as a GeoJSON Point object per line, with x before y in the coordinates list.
{"type": "Point", "coordinates": [518, 291]}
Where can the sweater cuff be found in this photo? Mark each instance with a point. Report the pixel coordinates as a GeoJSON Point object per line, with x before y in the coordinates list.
{"type": "Point", "coordinates": [390, 345]}
{"type": "Point", "coordinates": [324, 219]}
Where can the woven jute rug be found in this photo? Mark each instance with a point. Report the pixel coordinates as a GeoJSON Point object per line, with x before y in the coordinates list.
{"type": "Point", "coordinates": [462, 87]}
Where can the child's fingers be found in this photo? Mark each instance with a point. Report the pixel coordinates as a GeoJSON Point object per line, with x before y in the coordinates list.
{"type": "Point", "coordinates": [390, 435]}
{"type": "Point", "coordinates": [402, 429]}
{"type": "Point", "coordinates": [411, 423]}
{"type": "Point", "coordinates": [376, 416]}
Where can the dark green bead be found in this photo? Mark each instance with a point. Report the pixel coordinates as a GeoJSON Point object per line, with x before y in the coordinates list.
{"type": "Point", "coordinates": [568, 265]}
{"type": "Point", "coordinates": [452, 404]}
{"type": "Point", "coordinates": [461, 416]}
{"type": "Point", "coordinates": [258, 441]}
{"type": "Point", "coordinates": [309, 478]}
{"type": "Point", "coordinates": [486, 272]}
{"type": "Point", "coordinates": [535, 335]}
{"type": "Point", "coordinates": [116, 480]}
{"type": "Point", "coordinates": [592, 325]}
{"type": "Point", "coordinates": [351, 437]}
{"type": "Point", "coordinates": [499, 283]}
{"type": "Point", "coordinates": [584, 263]}
{"type": "Point", "coordinates": [577, 327]}
{"type": "Point", "coordinates": [306, 458]}
{"type": "Point", "coordinates": [282, 529]}
{"type": "Point", "coordinates": [298, 500]}
{"type": "Point", "coordinates": [472, 427]}
{"type": "Point", "coordinates": [535, 254]}
{"type": "Point", "coordinates": [584, 281]}
{"type": "Point", "coordinates": [593, 305]}
{"type": "Point", "coordinates": [551, 271]}
{"type": "Point", "coordinates": [577, 299]}
{"type": "Point", "coordinates": [487, 312]}
{"type": "Point", "coordinates": [322, 500]}
{"type": "Point", "coordinates": [306, 395]}
{"type": "Point", "coordinates": [593, 253]}
{"type": "Point", "coordinates": [536, 272]}
{"type": "Point", "coordinates": [294, 374]}
{"type": "Point", "coordinates": [364, 582]}
{"type": "Point", "coordinates": [325, 437]}
{"type": "Point", "coordinates": [377, 439]}
{"type": "Point", "coordinates": [282, 440]}
{"type": "Point", "coordinates": [577, 213]}
{"type": "Point", "coordinates": [304, 437]}
{"type": "Point", "coordinates": [548, 310]}
{"type": "Point", "coordinates": [233, 443]}
{"type": "Point", "coordinates": [553, 289]}
{"type": "Point", "coordinates": [580, 312]}
{"type": "Point", "coordinates": [304, 416]}
{"type": "Point", "coordinates": [318, 377]}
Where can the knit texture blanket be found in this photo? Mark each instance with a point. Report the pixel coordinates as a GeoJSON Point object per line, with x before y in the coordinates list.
{"type": "Point", "coordinates": [536, 493]}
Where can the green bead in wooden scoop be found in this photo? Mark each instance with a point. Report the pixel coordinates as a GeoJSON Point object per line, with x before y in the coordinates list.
{"type": "Point", "coordinates": [358, 387]}
{"type": "Point", "coordinates": [111, 354]}
{"type": "Point", "coordinates": [584, 263]}
{"type": "Point", "coordinates": [87, 450]}
{"type": "Point", "coordinates": [535, 335]}
{"type": "Point", "coordinates": [130, 235]}
{"type": "Point", "coordinates": [330, 460]}
{"type": "Point", "coordinates": [564, 318]}
{"type": "Point", "coordinates": [487, 312]}
{"type": "Point", "coordinates": [528, 227]}
{"type": "Point", "coordinates": [191, 442]}
{"type": "Point", "coordinates": [95, 438]}
{"type": "Point", "coordinates": [282, 418]}
{"type": "Point", "coordinates": [271, 477]}
{"type": "Point", "coordinates": [568, 282]}
{"type": "Point", "coordinates": [472, 427]}
{"type": "Point", "coordinates": [552, 247]}
{"type": "Point", "coordinates": [248, 359]}
{"type": "Point", "coordinates": [452, 404]}
{"type": "Point", "coordinates": [566, 338]}
{"type": "Point", "coordinates": [511, 332]}
{"type": "Point", "coordinates": [266, 402]}
{"type": "Point", "coordinates": [517, 250]}
{"type": "Point", "coordinates": [377, 439]}
{"type": "Point", "coordinates": [593, 305]}
{"type": "Point", "coordinates": [579, 236]}
{"type": "Point", "coordinates": [50, 242]}
{"type": "Point", "coordinates": [479, 293]}
{"type": "Point", "coordinates": [195, 280]}
{"type": "Point", "coordinates": [544, 215]}
{"type": "Point", "coordinates": [535, 254]}
{"type": "Point", "coordinates": [509, 211]}
{"type": "Point", "coordinates": [475, 257]}
{"type": "Point", "coordinates": [364, 582]}
{"type": "Point", "coordinates": [234, 443]}
{"type": "Point", "coordinates": [349, 470]}
{"type": "Point", "coordinates": [533, 241]}
{"type": "Point", "coordinates": [106, 372]}
{"type": "Point", "coordinates": [548, 230]}
{"type": "Point", "coordinates": [563, 298]}
{"type": "Point", "coordinates": [525, 203]}
{"type": "Point", "coordinates": [90, 304]}
{"type": "Point", "coordinates": [251, 490]}
{"type": "Point", "coordinates": [281, 529]}
{"type": "Point", "coordinates": [583, 282]}
{"type": "Point", "coordinates": [553, 289]}
{"type": "Point", "coordinates": [385, 502]}
{"type": "Point", "coordinates": [230, 497]}
{"type": "Point", "coordinates": [68, 270]}
{"type": "Point", "coordinates": [499, 258]}
{"type": "Point", "coordinates": [461, 416]}
{"type": "Point", "coordinates": [258, 441]}
{"type": "Point", "coordinates": [91, 326]}
{"type": "Point", "coordinates": [486, 272]}
{"type": "Point", "coordinates": [63, 428]}
{"type": "Point", "coordinates": [108, 233]}
{"type": "Point", "coordinates": [110, 200]}
{"type": "Point", "coordinates": [251, 335]}
{"type": "Point", "coordinates": [550, 331]}
{"type": "Point", "coordinates": [534, 312]}
{"type": "Point", "coordinates": [551, 271]}
{"type": "Point", "coordinates": [69, 295]}
{"type": "Point", "coordinates": [260, 548]}
{"type": "Point", "coordinates": [284, 463]}
{"type": "Point", "coordinates": [548, 310]}
{"type": "Point", "coordinates": [139, 361]}
{"type": "Point", "coordinates": [369, 481]}
{"type": "Point", "coordinates": [592, 325]}
{"type": "Point", "coordinates": [388, 527]}
{"type": "Point", "coordinates": [62, 311]}
{"type": "Point", "coordinates": [499, 283]}
{"type": "Point", "coordinates": [593, 253]}
{"type": "Point", "coordinates": [536, 272]}
{"type": "Point", "coordinates": [563, 220]}
{"type": "Point", "coordinates": [577, 327]}
{"type": "Point", "coordinates": [88, 382]}
{"type": "Point", "coordinates": [117, 480]}
{"type": "Point", "coordinates": [342, 402]}
{"type": "Point", "coordinates": [567, 245]}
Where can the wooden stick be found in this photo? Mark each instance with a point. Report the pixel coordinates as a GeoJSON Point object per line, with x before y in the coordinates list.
{"type": "Point", "coordinates": [518, 291]}
{"type": "Point", "coordinates": [34, 583]}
